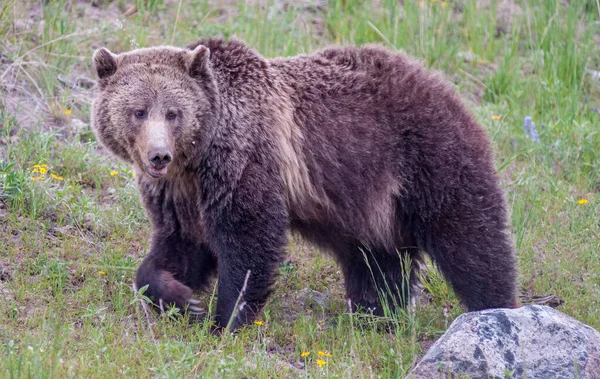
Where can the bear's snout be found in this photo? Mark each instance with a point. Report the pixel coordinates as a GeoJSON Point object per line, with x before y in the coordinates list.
{"type": "Point", "coordinates": [156, 148]}
{"type": "Point", "coordinates": [160, 158]}
{"type": "Point", "coordinates": [158, 162]}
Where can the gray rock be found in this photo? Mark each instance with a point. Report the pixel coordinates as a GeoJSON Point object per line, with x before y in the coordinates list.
{"type": "Point", "coordinates": [530, 342]}
{"type": "Point", "coordinates": [78, 125]}
{"type": "Point", "coordinates": [311, 297]}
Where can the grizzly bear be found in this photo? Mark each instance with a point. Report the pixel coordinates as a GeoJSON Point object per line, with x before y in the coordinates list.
{"type": "Point", "coordinates": [359, 149]}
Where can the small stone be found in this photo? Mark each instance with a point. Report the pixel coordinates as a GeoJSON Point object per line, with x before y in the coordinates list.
{"type": "Point", "coordinates": [77, 124]}
{"type": "Point", "coordinates": [309, 296]}
{"type": "Point", "coordinates": [467, 56]}
{"type": "Point", "coordinates": [85, 82]}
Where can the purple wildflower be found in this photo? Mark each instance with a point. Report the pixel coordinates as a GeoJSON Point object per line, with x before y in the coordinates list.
{"type": "Point", "coordinates": [530, 129]}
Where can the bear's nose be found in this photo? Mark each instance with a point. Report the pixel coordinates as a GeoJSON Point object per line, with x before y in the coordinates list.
{"type": "Point", "coordinates": [159, 158]}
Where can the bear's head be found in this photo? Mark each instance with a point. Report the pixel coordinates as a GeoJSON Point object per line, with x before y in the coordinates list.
{"type": "Point", "coordinates": [153, 107]}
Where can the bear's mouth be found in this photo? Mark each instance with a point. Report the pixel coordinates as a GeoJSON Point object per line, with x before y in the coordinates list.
{"type": "Point", "coordinates": [155, 173]}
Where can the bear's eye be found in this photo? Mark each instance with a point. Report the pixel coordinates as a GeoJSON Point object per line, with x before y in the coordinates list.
{"type": "Point", "coordinates": [171, 115]}
{"type": "Point", "coordinates": [140, 114]}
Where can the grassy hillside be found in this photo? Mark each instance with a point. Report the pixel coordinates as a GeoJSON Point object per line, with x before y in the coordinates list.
{"type": "Point", "coordinates": [72, 230]}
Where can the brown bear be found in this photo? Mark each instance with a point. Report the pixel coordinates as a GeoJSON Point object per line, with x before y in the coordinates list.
{"type": "Point", "coordinates": [359, 149]}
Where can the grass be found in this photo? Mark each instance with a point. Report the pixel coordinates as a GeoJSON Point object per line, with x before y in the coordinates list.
{"type": "Point", "coordinates": [69, 248]}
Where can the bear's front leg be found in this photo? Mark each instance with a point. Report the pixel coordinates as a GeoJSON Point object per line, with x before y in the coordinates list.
{"type": "Point", "coordinates": [248, 235]}
{"type": "Point", "coordinates": [175, 268]}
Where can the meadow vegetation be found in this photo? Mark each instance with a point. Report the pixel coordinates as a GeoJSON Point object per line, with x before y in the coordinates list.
{"type": "Point", "coordinates": [72, 230]}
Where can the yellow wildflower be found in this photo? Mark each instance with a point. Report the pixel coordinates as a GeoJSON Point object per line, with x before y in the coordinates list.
{"type": "Point", "coordinates": [101, 272]}
{"type": "Point", "coordinates": [68, 112]}
{"type": "Point", "coordinates": [113, 173]}
{"type": "Point", "coordinates": [305, 354]}
{"type": "Point", "coordinates": [496, 117]}
{"type": "Point", "coordinates": [582, 201]}
{"type": "Point", "coordinates": [323, 354]}
{"type": "Point", "coordinates": [37, 178]}
{"type": "Point", "coordinates": [321, 362]}
{"type": "Point", "coordinates": [259, 323]}
{"type": "Point", "coordinates": [40, 169]}
{"type": "Point", "coordinates": [443, 3]}
{"type": "Point", "coordinates": [421, 4]}
{"type": "Point", "coordinates": [57, 177]}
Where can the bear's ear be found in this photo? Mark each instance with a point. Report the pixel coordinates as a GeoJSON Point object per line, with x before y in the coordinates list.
{"type": "Point", "coordinates": [105, 62]}
{"type": "Point", "coordinates": [197, 60]}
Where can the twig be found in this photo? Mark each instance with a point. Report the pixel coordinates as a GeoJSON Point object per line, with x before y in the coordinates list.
{"type": "Point", "coordinates": [144, 307]}
{"type": "Point", "coordinates": [352, 341]}
{"type": "Point", "coordinates": [33, 82]}
{"type": "Point", "coordinates": [235, 308]}
{"type": "Point", "coordinates": [20, 58]}
{"type": "Point", "coordinates": [176, 21]}
{"type": "Point", "coordinates": [383, 37]}
{"type": "Point", "coordinates": [130, 11]}
{"type": "Point", "coordinates": [233, 315]}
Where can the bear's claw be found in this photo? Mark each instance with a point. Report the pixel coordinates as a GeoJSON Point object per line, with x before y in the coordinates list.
{"type": "Point", "coordinates": [191, 307]}
{"type": "Point", "coordinates": [193, 301]}
{"type": "Point", "coordinates": [195, 310]}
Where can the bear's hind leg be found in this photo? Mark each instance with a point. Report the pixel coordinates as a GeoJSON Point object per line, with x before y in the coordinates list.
{"type": "Point", "coordinates": [470, 244]}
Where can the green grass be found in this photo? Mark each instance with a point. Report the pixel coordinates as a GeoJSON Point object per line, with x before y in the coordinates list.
{"type": "Point", "coordinates": [69, 248]}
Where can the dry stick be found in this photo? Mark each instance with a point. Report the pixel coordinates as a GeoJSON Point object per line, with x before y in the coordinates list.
{"type": "Point", "coordinates": [176, 21]}
{"type": "Point", "coordinates": [25, 91]}
{"type": "Point", "coordinates": [130, 11]}
{"type": "Point", "coordinates": [19, 59]}
{"type": "Point", "coordinates": [235, 308]}
{"type": "Point", "coordinates": [32, 81]}
{"type": "Point", "coordinates": [144, 307]}
{"type": "Point", "coordinates": [352, 341]}
{"type": "Point", "coordinates": [233, 315]}
{"type": "Point", "coordinates": [413, 337]}
{"type": "Point", "coordinates": [383, 37]}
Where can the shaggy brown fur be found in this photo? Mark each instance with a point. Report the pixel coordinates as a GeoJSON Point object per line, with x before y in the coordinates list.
{"type": "Point", "coordinates": [360, 150]}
